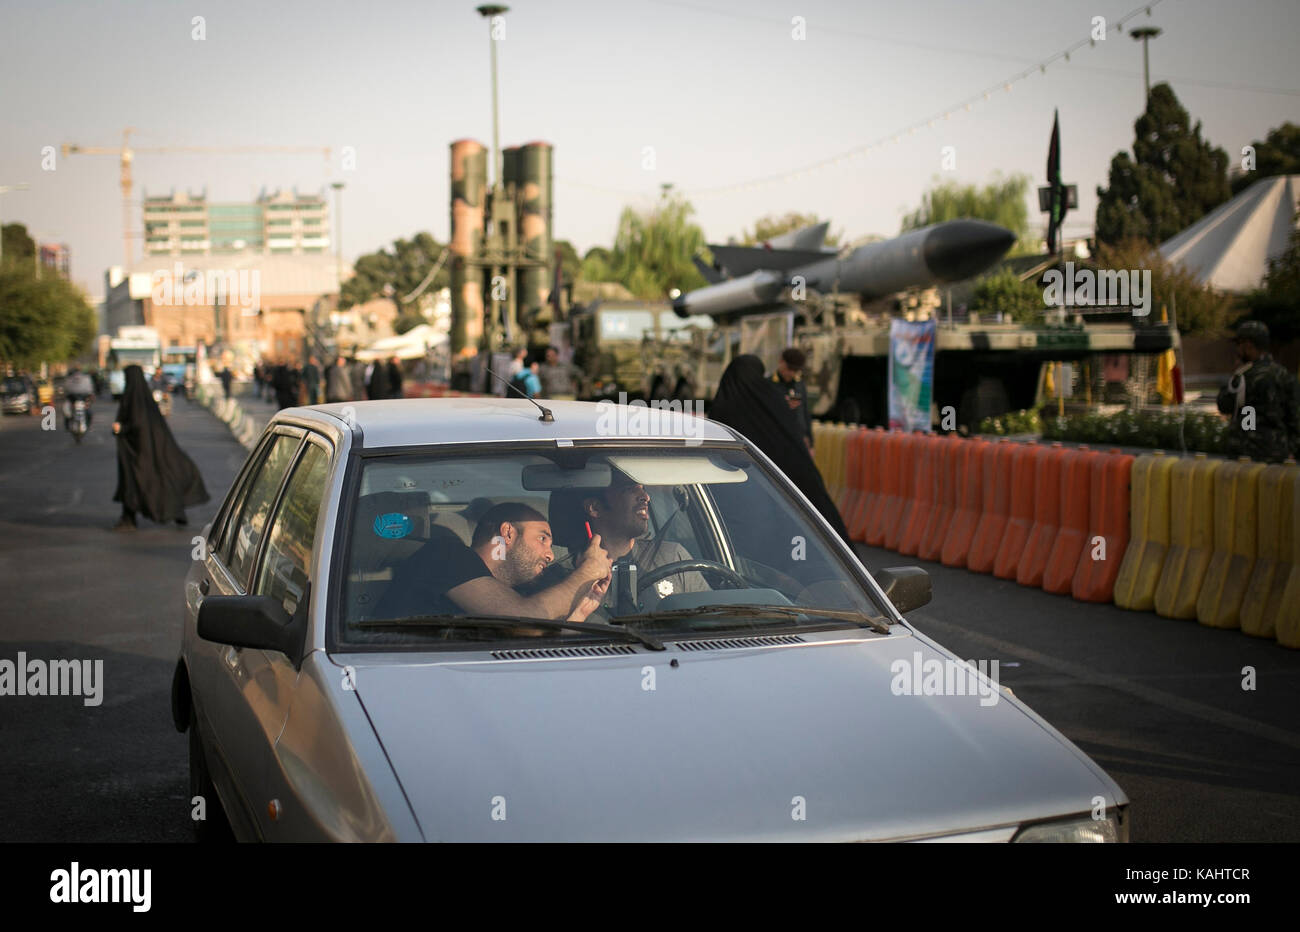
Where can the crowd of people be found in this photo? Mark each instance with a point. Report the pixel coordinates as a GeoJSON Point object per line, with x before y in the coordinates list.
{"type": "Point", "coordinates": [287, 384]}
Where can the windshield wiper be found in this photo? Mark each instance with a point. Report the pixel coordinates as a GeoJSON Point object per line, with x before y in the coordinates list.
{"type": "Point", "coordinates": [755, 611]}
{"type": "Point", "coordinates": [501, 621]}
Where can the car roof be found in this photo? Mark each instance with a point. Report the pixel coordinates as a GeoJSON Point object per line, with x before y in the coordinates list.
{"type": "Point", "coordinates": [418, 421]}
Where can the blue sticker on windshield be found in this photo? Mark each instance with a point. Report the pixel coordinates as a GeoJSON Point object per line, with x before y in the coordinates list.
{"type": "Point", "coordinates": [393, 526]}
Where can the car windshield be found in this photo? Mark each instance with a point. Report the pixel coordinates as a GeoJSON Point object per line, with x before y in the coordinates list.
{"type": "Point", "coordinates": [701, 540]}
{"type": "Point", "coordinates": [14, 386]}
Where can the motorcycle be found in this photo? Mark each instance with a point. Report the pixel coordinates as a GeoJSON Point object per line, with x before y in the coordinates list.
{"type": "Point", "coordinates": [77, 416]}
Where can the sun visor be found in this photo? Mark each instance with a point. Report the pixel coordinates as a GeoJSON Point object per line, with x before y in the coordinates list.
{"type": "Point", "coordinates": [676, 470]}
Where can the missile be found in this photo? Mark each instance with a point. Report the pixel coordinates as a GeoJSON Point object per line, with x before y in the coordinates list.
{"type": "Point", "coordinates": [752, 279]}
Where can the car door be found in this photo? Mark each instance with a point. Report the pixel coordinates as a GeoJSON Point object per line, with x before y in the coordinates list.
{"type": "Point", "coordinates": [284, 572]}
{"type": "Point", "coordinates": [230, 683]}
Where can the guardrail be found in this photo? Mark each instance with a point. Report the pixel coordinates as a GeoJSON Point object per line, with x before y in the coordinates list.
{"type": "Point", "coordinates": [1186, 537]}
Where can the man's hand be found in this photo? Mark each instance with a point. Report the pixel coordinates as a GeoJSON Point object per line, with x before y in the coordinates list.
{"type": "Point", "coordinates": [592, 600]}
{"type": "Point", "coordinates": [595, 563]}
{"type": "Point", "coordinates": [792, 401]}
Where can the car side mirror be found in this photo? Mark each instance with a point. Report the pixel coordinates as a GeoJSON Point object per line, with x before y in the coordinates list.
{"type": "Point", "coordinates": [908, 587]}
{"type": "Point", "coordinates": [257, 621]}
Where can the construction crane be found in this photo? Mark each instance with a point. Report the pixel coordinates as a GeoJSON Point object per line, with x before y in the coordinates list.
{"type": "Point", "coordinates": [126, 154]}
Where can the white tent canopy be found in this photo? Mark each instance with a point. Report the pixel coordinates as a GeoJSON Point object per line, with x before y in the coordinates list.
{"type": "Point", "coordinates": [1229, 247]}
{"type": "Point", "coordinates": [414, 344]}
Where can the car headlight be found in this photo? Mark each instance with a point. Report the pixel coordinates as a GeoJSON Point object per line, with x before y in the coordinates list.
{"type": "Point", "coordinates": [1084, 830]}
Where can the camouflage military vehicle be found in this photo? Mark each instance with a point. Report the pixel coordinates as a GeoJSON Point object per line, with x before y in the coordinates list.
{"type": "Point", "coordinates": [639, 347]}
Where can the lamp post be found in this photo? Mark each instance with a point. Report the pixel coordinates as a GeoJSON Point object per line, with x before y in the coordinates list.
{"type": "Point", "coordinates": [338, 230]}
{"type": "Point", "coordinates": [488, 12]}
{"type": "Point", "coordinates": [1145, 34]}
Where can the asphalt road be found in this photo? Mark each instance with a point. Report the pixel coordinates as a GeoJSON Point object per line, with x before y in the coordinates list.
{"type": "Point", "coordinates": [1158, 703]}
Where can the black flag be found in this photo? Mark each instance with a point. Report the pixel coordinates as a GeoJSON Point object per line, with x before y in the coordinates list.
{"type": "Point", "coordinates": [1059, 195]}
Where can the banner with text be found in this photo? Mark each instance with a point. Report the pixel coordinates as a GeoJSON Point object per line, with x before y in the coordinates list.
{"type": "Point", "coordinates": [911, 374]}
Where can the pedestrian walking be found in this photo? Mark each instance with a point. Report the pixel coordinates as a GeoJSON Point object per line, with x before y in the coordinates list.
{"type": "Point", "coordinates": [311, 376]}
{"type": "Point", "coordinates": [226, 378]}
{"type": "Point", "coordinates": [558, 378]}
{"type": "Point", "coordinates": [377, 387]}
{"type": "Point", "coordinates": [789, 378]}
{"type": "Point", "coordinates": [284, 379]}
{"type": "Point", "coordinates": [395, 378]}
{"type": "Point", "coordinates": [757, 408]}
{"type": "Point", "coordinates": [338, 382]}
{"type": "Point", "coordinates": [1263, 399]}
{"type": "Point", "coordinates": [357, 373]}
{"type": "Point", "coordinates": [154, 476]}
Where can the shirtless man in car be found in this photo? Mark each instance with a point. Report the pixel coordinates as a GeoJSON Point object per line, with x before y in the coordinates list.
{"type": "Point", "coordinates": [511, 547]}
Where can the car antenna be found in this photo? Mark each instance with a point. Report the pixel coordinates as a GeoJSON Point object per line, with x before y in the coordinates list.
{"type": "Point", "coordinates": [546, 416]}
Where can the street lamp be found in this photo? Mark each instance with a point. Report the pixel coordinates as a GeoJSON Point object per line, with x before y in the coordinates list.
{"type": "Point", "coordinates": [488, 12]}
{"type": "Point", "coordinates": [338, 229]}
{"type": "Point", "coordinates": [1145, 34]}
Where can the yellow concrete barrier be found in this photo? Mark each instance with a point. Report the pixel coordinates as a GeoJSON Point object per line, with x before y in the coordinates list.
{"type": "Point", "coordinates": [1236, 516]}
{"type": "Point", "coordinates": [1287, 619]}
{"type": "Point", "coordinates": [1274, 551]}
{"type": "Point", "coordinates": [1135, 586]}
{"type": "Point", "coordinates": [1191, 536]}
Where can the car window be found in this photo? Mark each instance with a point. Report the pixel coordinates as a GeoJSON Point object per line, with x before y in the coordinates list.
{"type": "Point", "coordinates": [411, 529]}
{"type": "Point", "coordinates": [286, 566]}
{"type": "Point", "coordinates": [257, 507]}
{"type": "Point", "coordinates": [229, 513]}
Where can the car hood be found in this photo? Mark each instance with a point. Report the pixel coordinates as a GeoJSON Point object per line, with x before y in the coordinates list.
{"type": "Point", "coordinates": [803, 741]}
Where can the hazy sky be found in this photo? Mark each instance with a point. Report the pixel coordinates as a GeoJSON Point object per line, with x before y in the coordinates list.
{"type": "Point", "coordinates": [718, 88]}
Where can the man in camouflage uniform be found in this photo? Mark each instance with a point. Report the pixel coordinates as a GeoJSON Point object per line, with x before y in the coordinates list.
{"type": "Point", "coordinates": [1263, 399]}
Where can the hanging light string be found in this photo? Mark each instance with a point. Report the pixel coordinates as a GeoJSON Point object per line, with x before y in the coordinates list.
{"type": "Point", "coordinates": [1003, 86]}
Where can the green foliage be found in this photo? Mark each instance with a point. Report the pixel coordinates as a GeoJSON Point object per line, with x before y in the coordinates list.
{"type": "Point", "coordinates": [1199, 309]}
{"type": "Point", "coordinates": [1202, 432]}
{"type": "Point", "coordinates": [1011, 424]}
{"type": "Point", "coordinates": [1020, 301]}
{"type": "Point", "coordinates": [766, 228]}
{"type": "Point", "coordinates": [17, 246]}
{"type": "Point", "coordinates": [652, 251]}
{"type": "Point", "coordinates": [395, 272]}
{"type": "Point", "coordinates": [42, 318]}
{"type": "Point", "coordinates": [1278, 154]}
{"type": "Point", "coordinates": [1172, 180]}
{"type": "Point", "coordinates": [1277, 302]}
{"type": "Point", "coordinates": [570, 263]}
{"type": "Point", "coordinates": [1002, 201]}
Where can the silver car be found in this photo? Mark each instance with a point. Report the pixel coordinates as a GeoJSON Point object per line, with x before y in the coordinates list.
{"type": "Point", "coordinates": [661, 640]}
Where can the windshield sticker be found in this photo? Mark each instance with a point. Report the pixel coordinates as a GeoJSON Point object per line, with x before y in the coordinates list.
{"type": "Point", "coordinates": [394, 526]}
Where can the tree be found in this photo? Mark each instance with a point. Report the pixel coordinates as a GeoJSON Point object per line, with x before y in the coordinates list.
{"type": "Point", "coordinates": [1003, 292]}
{"type": "Point", "coordinates": [570, 264]}
{"type": "Point", "coordinates": [1277, 302]}
{"type": "Point", "coordinates": [17, 246]}
{"type": "Point", "coordinates": [1002, 201]}
{"type": "Point", "coordinates": [1199, 308]}
{"type": "Point", "coordinates": [396, 273]}
{"type": "Point", "coordinates": [653, 250]}
{"type": "Point", "coordinates": [765, 228]}
{"type": "Point", "coordinates": [1172, 180]}
{"type": "Point", "coordinates": [1278, 154]}
{"type": "Point", "coordinates": [42, 317]}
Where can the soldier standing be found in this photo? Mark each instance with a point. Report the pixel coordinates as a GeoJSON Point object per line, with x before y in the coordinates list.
{"type": "Point", "coordinates": [788, 377]}
{"type": "Point", "coordinates": [1263, 399]}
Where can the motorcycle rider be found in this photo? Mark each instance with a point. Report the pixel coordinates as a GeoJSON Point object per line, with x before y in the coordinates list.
{"type": "Point", "coordinates": [77, 385]}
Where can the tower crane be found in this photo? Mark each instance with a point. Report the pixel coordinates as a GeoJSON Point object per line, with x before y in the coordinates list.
{"type": "Point", "coordinates": [126, 154]}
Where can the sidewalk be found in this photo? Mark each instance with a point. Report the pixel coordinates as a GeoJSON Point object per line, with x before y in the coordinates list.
{"type": "Point", "coordinates": [245, 414]}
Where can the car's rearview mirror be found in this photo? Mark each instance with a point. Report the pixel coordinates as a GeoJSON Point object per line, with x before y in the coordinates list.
{"type": "Point", "coordinates": [257, 621]}
{"type": "Point", "coordinates": [908, 587]}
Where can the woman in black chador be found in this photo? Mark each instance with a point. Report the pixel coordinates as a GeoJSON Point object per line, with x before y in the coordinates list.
{"type": "Point", "coordinates": [154, 477]}
{"type": "Point", "coordinates": [755, 406]}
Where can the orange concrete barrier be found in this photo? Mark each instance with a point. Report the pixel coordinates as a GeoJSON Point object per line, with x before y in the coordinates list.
{"type": "Point", "coordinates": [966, 516]}
{"type": "Point", "coordinates": [868, 501]}
{"type": "Point", "coordinates": [1191, 536]}
{"type": "Point", "coordinates": [1108, 528]}
{"type": "Point", "coordinates": [1047, 516]}
{"type": "Point", "coordinates": [1020, 510]}
{"type": "Point", "coordinates": [948, 483]}
{"type": "Point", "coordinates": [925, 491]}
{"type": "Point", "coordinates": [1236, 513]}
{"type": "Point", "coordinates": [853, 471]}
{"type": "Point", "coordinates": [996, 464]}
{"type": "Point", "coordinates": [889, 501]}
{"type": "Point", "coordinates": [1075, 516]}
{"type": "Point", "coordinates": [1263, 600]}
{"type": "Point", "coordinates": [1135, 587]}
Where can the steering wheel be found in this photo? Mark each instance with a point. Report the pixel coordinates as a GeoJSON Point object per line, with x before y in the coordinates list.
{"type": "Point", "coordinates": [648, 579]}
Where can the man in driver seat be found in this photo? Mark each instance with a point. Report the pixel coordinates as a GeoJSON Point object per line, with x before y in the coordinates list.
{"type": "Point", "coordinates": [620, 516]}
